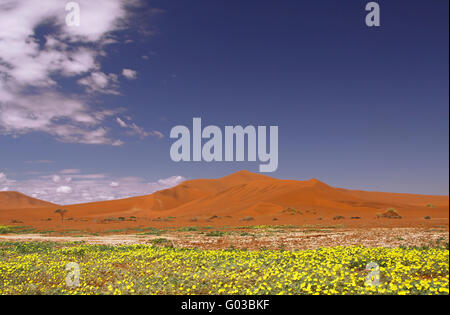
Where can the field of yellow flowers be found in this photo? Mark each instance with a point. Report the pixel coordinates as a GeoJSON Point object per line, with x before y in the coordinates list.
{"type": "Point", "coordinates": [40, 268]}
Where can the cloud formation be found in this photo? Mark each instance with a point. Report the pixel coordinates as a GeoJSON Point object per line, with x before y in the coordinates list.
{"type": "Point", "coordinates": [81, 188]}
{"type": "Point", "coordinates": [32, 64]}
{"type": "Point", "coordinates": [134, 129]}
{"type": "Point", "coordinates": [99, 82]}
{"type": "Point", "coordinates": [129, 74]}
{"type": "Point", "coordinates": [63, 190]}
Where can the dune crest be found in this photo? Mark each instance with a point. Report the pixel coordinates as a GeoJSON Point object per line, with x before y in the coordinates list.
{"type": "Point", "coordinates": [247, 193]}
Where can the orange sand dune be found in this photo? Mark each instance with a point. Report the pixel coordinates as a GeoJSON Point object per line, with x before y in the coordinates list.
{"type": "Point", "coordinates": [245, 198]}
{"type": "Point", "coordinates": [16, 200]}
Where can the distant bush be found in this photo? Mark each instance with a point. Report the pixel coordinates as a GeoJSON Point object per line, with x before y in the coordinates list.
{"type": "Point", "coordinates": [215, 233]}
{"type": "Point", "coordinates": [427, 217]}
{"type": "Point", "coordinates": [188, 229]}
{"type": "Point", "coordinates": [338, 217]}
{"type": "Point", "coordinates": [162, 242]}
{"type": "Point", "coordinates": [292, 211]}
{"type": "Point", "coordinates": [152, 231]}
{"type": "Point", "coordinates": [16, 229]}
{"type": "Point", "coordinates": [119, 219]}
{"type": "Point", "coordinates": [391, 213]}
{"type": "Point", "coordinates": [5, 229]}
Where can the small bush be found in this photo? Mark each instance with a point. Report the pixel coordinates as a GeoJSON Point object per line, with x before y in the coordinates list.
{"type": "Point", "coordinates": [16, 229]}
{"type": "Point", "coordinates": [188, 229]}
{"type": "Point", "coordinates": [215, 233]}
{"type": "Point", "coordinates": [162, 242]}
{"type": "Point", "coordinates": [292, 211]}
{"type": "Point", "coordinates": [391, 213]}
{"type": "Point", "coordinates": [152, 231]}
{"type": "Point", "coordinates": [5, 230]}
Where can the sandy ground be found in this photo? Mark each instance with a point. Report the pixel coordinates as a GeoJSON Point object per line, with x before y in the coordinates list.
{"type": "Point", "coordinates": [270, 239]}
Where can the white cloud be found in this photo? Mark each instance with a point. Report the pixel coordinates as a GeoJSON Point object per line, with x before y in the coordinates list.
{"type": "Point", "coordinates": [134, 129]}
{"type": "Point", "coordinates": [62, 190]}
{"type": "Point", "coordinates": [69, 119]}
{"type": "Point", "coordinates": [171, 181]}
{"type": "Point", "coordinates": [121, 123]}
{"type": "Point", "coordinates": [101, 83]}
{"type": "Point", "coordinates": [129, 74]}
{"type": "Point", "coordinates": [158, 134]}
{"type": "Point", "coordinates": [4, 180]}
{"type": "Point", "coordinates": [56, 178]}
{"type": "Point", "coordinates": [88, 187]}
{"type": "Point", "coordinates": [30, 66]}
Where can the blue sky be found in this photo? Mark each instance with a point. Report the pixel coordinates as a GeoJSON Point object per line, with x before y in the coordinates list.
{"type": "Point", "coordinates": [357, 107]}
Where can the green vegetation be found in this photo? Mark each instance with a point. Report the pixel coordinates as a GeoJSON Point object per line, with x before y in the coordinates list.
{"type": "Point", "coordinates": [189, 229]}
{"type": "Point", "coordinates": [215, 233]}
{"type": "Point", "coordinates": [161, 242]}
{"type": "Point", "coordinates": [159, 268]}
{"type": "Point", "coordinates": [16, 229]}
{"type": "Point", "coordinates": [150, 231]}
